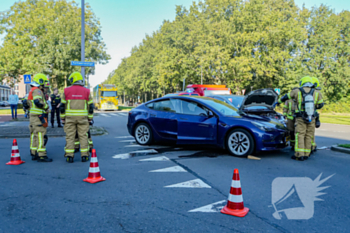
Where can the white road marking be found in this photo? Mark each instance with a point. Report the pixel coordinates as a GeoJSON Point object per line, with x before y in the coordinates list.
{"type": "Point", "coordinates": [121, 156]}
{"type": "Point", "coordinates": [211, 208]}
{"type": "Point", "coordinates": [105, 115]}
{"type": "Point", "coordinates": [160, 158]}
{"type": "Point", "coordinates": [125, 137]}
{"type": "Point", "coordinates": [151, 151]}
{"type": "Point", "coordinates": [133, 140]}
{"type": "Point", "coordinates": [114, 114]}
{"type": "Point", "coordinates": [322, 148]}
{"type": "Point", "coordinates": [133, 146]}
{"type": "Point", "coordinates": [196, 183]}
{"type": "Point", "coordinates": [170, 169]}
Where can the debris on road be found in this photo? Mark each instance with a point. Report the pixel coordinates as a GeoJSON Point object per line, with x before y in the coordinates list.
{"type": "Point", "coordinates": [253, 157]}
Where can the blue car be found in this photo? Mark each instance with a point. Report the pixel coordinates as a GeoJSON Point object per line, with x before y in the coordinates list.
{"type": "Point", "coordinates": [204, 121]}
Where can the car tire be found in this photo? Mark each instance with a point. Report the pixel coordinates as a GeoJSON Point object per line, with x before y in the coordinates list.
{"type": "Point", "coordinates": [245, 145]}
{"type": "Point", "coordinates": [143, 134]}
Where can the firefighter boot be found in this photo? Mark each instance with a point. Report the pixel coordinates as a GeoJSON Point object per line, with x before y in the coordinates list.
{"type": "Point", "coordinates": [34, 156]}
{"type": "Point", "coordinates": [85, 158]}
{"type": "Point", "coordinates": [298, 158]}
{"type": "Point", "coordinates": [69, 159]}
{"type": "Point", "coordinates": [44, 159]}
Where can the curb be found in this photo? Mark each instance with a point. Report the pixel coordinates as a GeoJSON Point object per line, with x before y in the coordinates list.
{"type": "Point", "coordinates": [340, 149]}
{"type": "Point", "coordinates": [95, 131]}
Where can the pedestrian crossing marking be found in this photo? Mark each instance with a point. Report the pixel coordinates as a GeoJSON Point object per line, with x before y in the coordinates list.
{"type": "Point", "coordinates": [117, 114]}
{"type": "Point", "coordinates": [196, 183]}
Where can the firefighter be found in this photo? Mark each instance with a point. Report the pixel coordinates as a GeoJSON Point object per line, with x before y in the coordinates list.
{"type": "Point", "coordinates": [288, 112]}
{"type": "Point", "coordinates": [307, 101]}
{"type": "Point", "coordinates": [37, 123]}
{"type": "Point", "coordinates": [316, 83]}
{"type": "Point", "coordinates": [55, 103]}
{"type": "Point", "coordinates": [76, 113]}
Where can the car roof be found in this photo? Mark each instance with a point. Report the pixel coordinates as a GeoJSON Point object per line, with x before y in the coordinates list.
{"type": "Point", "coordinates": [226, 95]}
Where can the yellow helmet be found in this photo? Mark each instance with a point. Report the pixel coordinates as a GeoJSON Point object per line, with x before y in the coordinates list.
{"type": "Point", "coordinates": [304, 80]}
{"type": "Point", "coordinates": [74, 77]}
{"type": "Point", "coordinates": [315, 81]}
{"type": "Point", "coordinates": [39, 80]}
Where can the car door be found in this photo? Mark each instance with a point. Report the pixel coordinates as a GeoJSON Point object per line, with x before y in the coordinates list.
{"type": "Point", "coordinates": [194, 125]}
{"type": "Point", "coordinates": [162, 116]}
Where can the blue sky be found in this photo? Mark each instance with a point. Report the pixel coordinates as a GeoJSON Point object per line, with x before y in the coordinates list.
{"type": "Point", "coordinates": [126, 22]}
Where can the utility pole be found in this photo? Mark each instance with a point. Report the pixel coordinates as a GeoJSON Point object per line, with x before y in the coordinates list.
{"type": "Point", "coordinates": [201, 74]}
{"type": "Point", "coordinates": [83, 38]}
{"type": "Point", "coordinates": [183, 84]}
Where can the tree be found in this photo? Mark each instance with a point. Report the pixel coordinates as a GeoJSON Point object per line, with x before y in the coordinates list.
{"type": "Point", "coordinates": [44, 36]}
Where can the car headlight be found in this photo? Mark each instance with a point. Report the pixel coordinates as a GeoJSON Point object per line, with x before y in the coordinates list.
{"type": "Point", "coordinates": [263, 127]}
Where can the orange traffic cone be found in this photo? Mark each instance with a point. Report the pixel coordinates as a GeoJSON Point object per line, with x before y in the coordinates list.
{"type": "Point", "coordinates": [235, 204]}
{"type": "Point", "coordinates": [15, 156]}
{"type": "Point", "coordinates": [94, 170]}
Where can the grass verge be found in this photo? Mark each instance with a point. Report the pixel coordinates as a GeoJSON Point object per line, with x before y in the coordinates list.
{"type": "Point", "coordinates": [8, 111]}
{"type": "Point", "coordinates": [345, 145]}
{"type": "Point", "coordinates": [125, 108]}
{"type": "Point", "coordinates": [335, 118]}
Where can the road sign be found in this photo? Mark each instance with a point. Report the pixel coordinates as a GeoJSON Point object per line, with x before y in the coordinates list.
{"type": "Point", "coordinates": [243, 91]}
{"type": "Point", "coordinates": [82, 63]}
{"type": "Point", "coordinates": [27, 78]}
{"type": "Point", "coordinates": [278, 91]}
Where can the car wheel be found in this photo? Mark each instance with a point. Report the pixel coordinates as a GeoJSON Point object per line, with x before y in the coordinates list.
{"type": "Point", "coordinates": [143, 134]}
{"type": "Point", "coordinates": [239, 142]}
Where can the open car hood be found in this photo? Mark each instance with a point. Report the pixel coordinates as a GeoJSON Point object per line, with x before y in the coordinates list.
{"type": "Point", "coordinates": [262, 97]}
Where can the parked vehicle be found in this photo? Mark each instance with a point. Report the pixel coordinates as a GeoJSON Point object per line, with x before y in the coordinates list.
{"type": "Point", "coordinates": [207, 90]}
{"type": "Point", "coordinates": [258, 102]}
{"type": "Point", "coordinates": [181, 94]}
{"type": "Point", "coordinates": [106, 97]}
{"type": "Point", "coordinates": [4, 104]}
{"type": "Point", "coordinates": [207, 121]}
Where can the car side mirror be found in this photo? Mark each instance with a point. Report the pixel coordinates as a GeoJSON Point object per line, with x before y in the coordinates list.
{"type": "Point", "coordinates": [210, 114]}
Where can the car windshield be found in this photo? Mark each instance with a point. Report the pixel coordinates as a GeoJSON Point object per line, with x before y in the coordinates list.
{"type": "Point", "coordinates": [222, 107]}
{"type": "Point", "coordinates": [235, 100]}
{"type": "Point", "coordinates": [109, 93]}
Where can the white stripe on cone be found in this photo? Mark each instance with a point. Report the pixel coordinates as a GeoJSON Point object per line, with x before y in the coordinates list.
{"type": "Point", "coordinates": [14, 147]}
{"type": "Point", "coordinates": [235, 198]}
{"type": "Point", "coordinates": [94, 169]}
{"type": "Point", "coordinates": [15, 155]}
{"type": "Point", "coordinates": [236, 184]}
{"type": "Point", "coordinates": [94, 160]}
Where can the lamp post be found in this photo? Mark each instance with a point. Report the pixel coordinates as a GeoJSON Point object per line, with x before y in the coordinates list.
{"type": "Point", "coordinates": [83, 38]}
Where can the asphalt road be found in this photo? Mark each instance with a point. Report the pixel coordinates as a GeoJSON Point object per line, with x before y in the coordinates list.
{"type": "Point", "coordinates": [52, 197]}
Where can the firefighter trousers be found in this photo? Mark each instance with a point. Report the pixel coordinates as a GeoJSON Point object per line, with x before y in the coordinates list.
{"type": "Point", "coordinates": [304, 132]}
{"type": "Point", "coordinates": [73, 125]}
{"type": "Point", "coordinates": [291, 128]}
{"type": "Point", "coordinates": [77, 143]}
{"type": "Point", "coordinates": [37, 136]}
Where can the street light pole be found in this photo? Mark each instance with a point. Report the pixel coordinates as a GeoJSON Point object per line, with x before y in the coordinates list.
{"type": "Point", "coordinates": [83, 38]}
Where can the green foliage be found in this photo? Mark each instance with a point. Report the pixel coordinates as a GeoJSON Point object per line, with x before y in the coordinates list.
{"type": "Point", "coordinates": [345, 145]}
{"type": "Point", "coordinates": [243, 44]}
{"type": "Point", "coordinates": [44, 36]}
